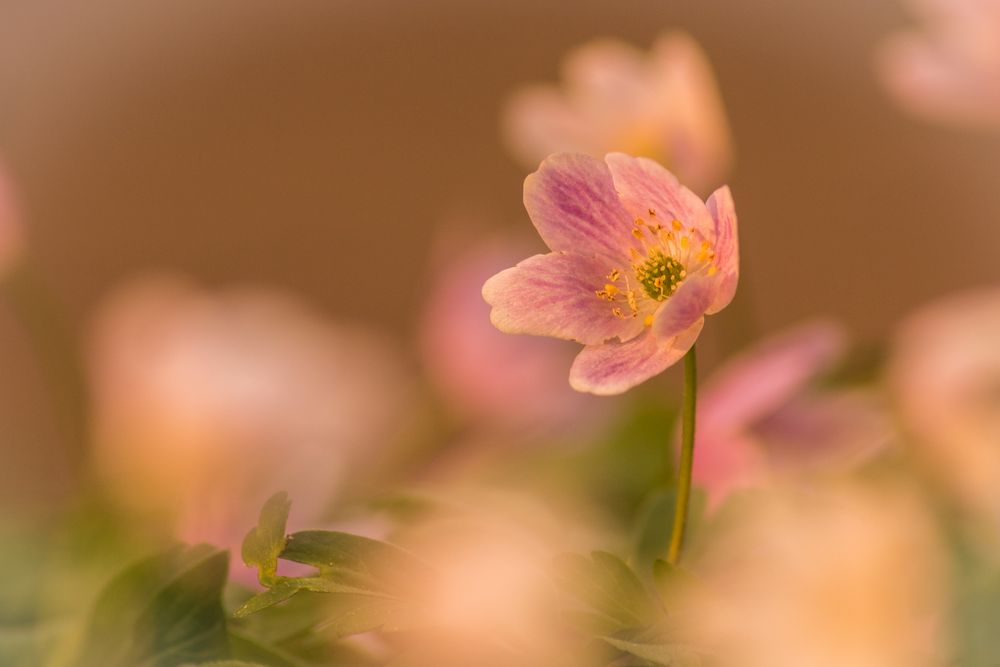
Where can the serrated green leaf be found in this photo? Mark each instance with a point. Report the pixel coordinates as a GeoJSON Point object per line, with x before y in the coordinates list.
{"type": "Point", "coordinates": [347, 615]}
{"type": "Point", "coordinates": [161, 612]}
{"type": "Point", "coordinates": [356, 561]}
{"type": "Point", "coordinates": [264, 543]}
{"type": "Point", "coordinates": [280, 592]}
{"type": "Point", "coordinates": [667, 655]}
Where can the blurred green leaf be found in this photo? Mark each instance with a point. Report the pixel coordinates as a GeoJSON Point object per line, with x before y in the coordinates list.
{"type": "Point", "coordinates": [609, 589]}
{"type": "Point", "coordinates": [667, 655]}
{"type": "Point", "coordinates": [161, 612]}
{"type": "Point", "coordinates": [265, 542]}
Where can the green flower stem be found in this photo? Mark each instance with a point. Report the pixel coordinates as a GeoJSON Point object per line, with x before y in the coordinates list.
{"type": "Point", "coordinates": [687, 456]}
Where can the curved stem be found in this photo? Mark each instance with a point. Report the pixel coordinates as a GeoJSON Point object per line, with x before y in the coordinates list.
{"type": "Point", "coordinates": [687, 456]}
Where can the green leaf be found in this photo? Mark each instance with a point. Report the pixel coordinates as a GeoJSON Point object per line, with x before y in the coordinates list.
{"type": "Point", "coordinates": [354, 560]}
{"type": "Point", "coordinates": [667, 655]}
{"type": "Point", "coordinates": [161, 612]}
{"type": "Point", "coordinates": [264, 543]}
{"type": "Point", "coordinates": [610, 589]}
{"type": "Point", "coordinates": [353, 614]}
{"type": "Point", "coordinates": [655, 523]}
{"type": "Point", "coordinates": [280, 592]}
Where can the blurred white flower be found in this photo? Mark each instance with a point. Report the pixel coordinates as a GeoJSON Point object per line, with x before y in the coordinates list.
{"type": "Point", "coordinates": [945, 373]}
{"type": "Point", "coordinates": [207, 402]}
{"type": "Point", "coordinates": [663, 104]}
{"type": "Point", "coordinates": [843, 574]}
{"type": "Point", "coordinates": [949, 69]}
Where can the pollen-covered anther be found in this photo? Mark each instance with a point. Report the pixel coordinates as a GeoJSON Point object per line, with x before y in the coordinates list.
{"type": "Point", "coordinates": [676, 224]}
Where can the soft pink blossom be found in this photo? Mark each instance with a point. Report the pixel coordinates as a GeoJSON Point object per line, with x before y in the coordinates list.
{"type": "Point", "coordinates": [208, 402]}
{"type": "Point", "coordinates": [759, 416]}
{"type": "Point", "coordinates": [485, 376]}
{"type": "Point", "coordinates": [11, 232]}
{"type": "Point", "coordinates": [663, 104]}
{"type": "Point", "coordinates": [637, 262]}
{"type": "Point", "coordinates": [945, 373]}
{"type": "Point", "coordinates": [949, 68]}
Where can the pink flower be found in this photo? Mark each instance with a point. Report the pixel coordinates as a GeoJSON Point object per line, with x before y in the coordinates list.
{"type": "Point", "coordinates": [637, 262]}
{"type": "Point", "coordinates": [949, 70]}
{"type": "Point", "coordinates": [487, 377]}
{"type": "Point", "coordinates": [663, 105]}
{"type": "Point", "coordinates": [206, 403]}
{"type": "Point", "coordinates": [945, 373]}
{"type": "Point", "coordinates": [757, 415]}
{"type": "Point", "coordinates": [11, 234]}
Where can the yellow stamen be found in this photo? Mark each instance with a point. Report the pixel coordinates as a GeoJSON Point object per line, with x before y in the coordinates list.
{"type": "Point", "coordinates": [648, 321]}
{"type": "Point", "coordinates": [677, 225]}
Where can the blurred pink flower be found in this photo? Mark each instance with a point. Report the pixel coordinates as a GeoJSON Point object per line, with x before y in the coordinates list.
{"type": "Point", "coordinates": [757, 414]}
{"type": "Point", "coordinates": [950, 68]}
{"type": "Point", "coordinates": [206, 403]}
{"type": "Point", "coordinates": [836, 574]}
{"type": "Point", "coordinates": [484, 375]}
{"type": "Point", "coordinates": [635, 256]}
{"type": "Point", "coordinates": [663, 105]}
{"type": "Point", "coordinates": [945, 373]}
{"type": "Point", "coordinates": [11, 232]}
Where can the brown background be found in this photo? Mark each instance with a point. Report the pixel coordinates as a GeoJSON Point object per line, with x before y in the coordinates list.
{"type": "Point", "coordinates": [316, 145]}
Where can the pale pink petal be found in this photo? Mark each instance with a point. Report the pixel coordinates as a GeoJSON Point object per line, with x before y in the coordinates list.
{"type": "Point", "coordinates": [614, 368]}
{"type": "Point", "coordinates": [645, 185]}
{"type": "Point", "coordinates": [695, 127]}
{"type": "Point", "coordinates": [539, 121]}
{"type": "Point", "coordinates": [11, 232]}
{"type": "Point", "coordinates": [571, 199]}
{"type": "Point", "coordinates": [685, 307]}
{"type": "Point", "coordinates": [727, 249]}
{"type": "Point", "coordinates": [554, 295]}
{"type": "Point", "coordinates": [768, 375]}
{"type": "Point", "coordinates": [724, 463]}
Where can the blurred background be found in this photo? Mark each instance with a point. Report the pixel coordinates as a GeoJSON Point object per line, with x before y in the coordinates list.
{"type": "Point", "coordinates": [319, 147]}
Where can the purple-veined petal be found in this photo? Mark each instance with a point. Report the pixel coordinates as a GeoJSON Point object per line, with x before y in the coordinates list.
{"type": "Point", "coordinates": [643, 186]}
{"type": "Point", "coordinates": [614, 368]}
{"type": "Point", "coordinates": [554, 295]}
{"type": "Point", "coordinates": [727, 247]}
{"type": "Point", "coordinates": [686, 306]}
{"type": "Point", "coordinates": [571, 199]}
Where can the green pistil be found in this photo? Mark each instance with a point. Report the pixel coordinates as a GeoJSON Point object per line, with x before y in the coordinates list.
{"type": "Point", "coordinates": [660, 275]}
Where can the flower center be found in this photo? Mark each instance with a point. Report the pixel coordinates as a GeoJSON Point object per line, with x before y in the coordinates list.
{"type": "Point", "coordinates": [660, 275]}
{"type": "Point", "coordinates": [670, 252]}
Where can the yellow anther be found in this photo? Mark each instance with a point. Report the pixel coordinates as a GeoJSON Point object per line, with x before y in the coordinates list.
{"type": "Point", "coordinates": [614, 275]}
{"type": "Point", "coordinates": [676, 224]}
{"type": "Point", "coordinates": [639, 222]}
{"type": "Point", "coordinates": [685, 242]}
{"type": "Point", "coordinates": [633, 305]}
{"type": "Point", "coordinates": [703, 255]}
{"type": "Point", "coordinates": [651, 212]}
{"type": "Point", "coordinates": [637, 233]}
{"type": "Point", "coordinates": [617, 312]}
{"type": "Point", "coordinates": [712, 270]}
{"type": "Point", "coordinates": [610, 289]}
{"type": "Point", "coordinates": [705, 245]}
{"type": "Point", "coordinates": [648, 321]}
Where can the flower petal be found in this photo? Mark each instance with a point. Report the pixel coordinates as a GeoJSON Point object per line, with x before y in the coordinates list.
{"type": "Point", "coordinates": [614, 368]}
{"type": "Point", "coordinates": [571, 199]}
{"type": "Point", "coordinates": [686, 306]}
{"type": "Point", "coordinates": [727, 248]}
{"type": "Point", "coordinates": [644, 185]}
{"type": "Point", "coordinates": [553, 295]}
